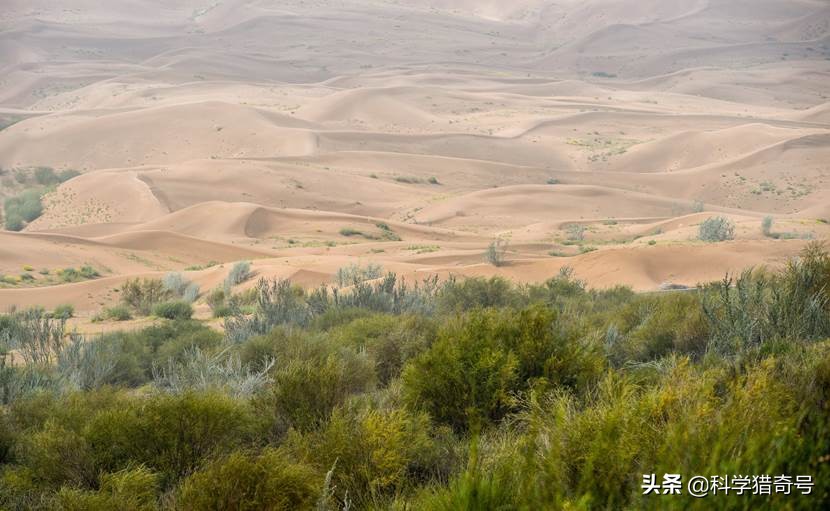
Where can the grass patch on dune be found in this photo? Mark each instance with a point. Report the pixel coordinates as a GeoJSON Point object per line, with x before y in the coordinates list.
{"type": "Point", "coordinates": [385, 233]}
{"type": "Point", "coordinates": [28, 186]}
{"type": "Point", "coordinates": [601, 147]}
{"type": "Point", "coordinates": [48, 277]}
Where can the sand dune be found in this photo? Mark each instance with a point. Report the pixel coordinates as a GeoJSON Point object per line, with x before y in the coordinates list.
{"type": "Point", "coordinates": [305, 136]}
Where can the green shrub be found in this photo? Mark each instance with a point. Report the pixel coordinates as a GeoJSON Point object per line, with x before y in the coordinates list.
{"type": "Point", "coordinates": [479, 362]}
{"type": "Point", "coordinates": [716, 228]}
{"type": "Point", "coordinates": [471, 293]}
{"type": "Point", "coordinates": [169, 434]}
{"type": "Point", "coordinates": [13, 221]}
{"type": "Point", "coordinates": [305, 392]}
{"type": "Point", "coordinates": [118, 313]}
{"type": "Point", "coordinates": [65, 311]}
{"type": "Point", "coordinates": [349, 231]}
{"type": "Point", "coordinates": [142, 294]}
{"type": "Point", "coordinates": [390, 341]}
{"type": "Point", "coordinates": [22, 209]}
{"type": "Point", "coordinates": [375, 453]}
{"type": "Point", "coordinates": [173, 310]}
{"type": "Point", "coordinates": [242, 481]}
{"type": "Point", "coordinates": [652, 327]}
{"type": "Point", "coordinates": [127, 490]}
{"type": "Point", "coordinates": [45, 176]}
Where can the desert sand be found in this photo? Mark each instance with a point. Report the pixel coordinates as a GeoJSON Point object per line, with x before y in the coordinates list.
{"type": "Point", "coordinates": [214, 131]}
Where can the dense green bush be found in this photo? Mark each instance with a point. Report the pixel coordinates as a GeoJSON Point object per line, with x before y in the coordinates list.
{"type": "Point", "coordinates": [472, 372]}
{"type": "Point", "coordinates": [241, 481]}
{"type": "Point", "coordinates": [375, 453]}
{"type": "Point", "coordinates": [22, 209]}
{"type": "Point", "coordinates": [127, 490]}
{"type": "Point", "coordinates": [391, 341]}
{"type": "Point", "coordinates": [169, 434]}
{"type": "Point", "coordinates": [177, 309]}
{"type": "Point", "coordinates": [307, 391]}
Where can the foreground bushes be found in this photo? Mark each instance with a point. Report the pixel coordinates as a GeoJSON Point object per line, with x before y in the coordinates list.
{"type": "Point", "coordinates": [468, 395]}
{"type": "Point", "coordinates": [241, 481]}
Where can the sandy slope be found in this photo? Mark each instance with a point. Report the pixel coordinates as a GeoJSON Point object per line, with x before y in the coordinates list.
{"type": "Point", "coordinates": [306, 135]}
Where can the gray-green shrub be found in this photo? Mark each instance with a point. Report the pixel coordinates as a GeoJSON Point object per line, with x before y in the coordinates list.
{"type": "Point", "coordinates": [716, 228]}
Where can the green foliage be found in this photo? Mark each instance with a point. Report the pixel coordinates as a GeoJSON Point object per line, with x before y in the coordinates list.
{"type": "Point", "coordinates": [716, 228]}
{"type": "Point", "coordinates": [64, 311]}
{"type": "Point", "coordinates": [757, 309]}
{"type": "Point", "coordinates": [243, 481]}
{"type": "Point", "coordinates": [473, 293]}
{"type": "Point", "coordinates": [306, 391]}
{"type": "Point", "coordinates": [127, 490]}
{"type": "Point", "coordinates": [217, 301]}
{"type": "Point", "coordinates": [472, 372]}
{"type": "Point", "coordinates": [652, 327]}
{"type": "Point", "coordinates": [177, 309]}
{"type": "Point", "coordinates": [22, 209]}
{"type": "Point", "coordinates": [142, 295]}
{"type": "Point", "coordinates": [558, 397]}
{"type": "Point", "coordinates": [169, 434]}
{"type": "Point", "coordinates": [46, 176]}
{"type": "Point", "coordinates": [376, 454]}
{"type": "Point", "coordinates": [117, 313]}
{"type": "Point", "coordinates": [391, 341]}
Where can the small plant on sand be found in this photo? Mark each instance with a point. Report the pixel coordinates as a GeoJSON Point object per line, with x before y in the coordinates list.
{"type": "Point", "coordinates": [717, 228]}
{"type": "Point", "coordinates": [240, 272]}
{"type": "Point", "coordinates": [496, 251]}
{"type": "Point", "coordinates": [64, 311]}
{"type": "Point", "coordinates": [177, 309]}
{"type": "Point", "coordinates": [117, 313]}
{"type": "Point", "coordinates": [576, 232]}
{"type": "Point", "coordinates": [766, 226]}
{"type": "Point", "coordinates": [178, 285]}
{"type": "Point", "coordinates": [142, 294]}
{"type": "Point", "coordinates": [354, 274]}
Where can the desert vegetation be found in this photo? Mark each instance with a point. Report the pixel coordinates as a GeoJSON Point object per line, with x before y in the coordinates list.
{"type": "Point", "coordinates": [26, 206]}
{"type": "Point", "coordinates": [716, 229]}
{"type": "Point", "coordinates": [468, 394]}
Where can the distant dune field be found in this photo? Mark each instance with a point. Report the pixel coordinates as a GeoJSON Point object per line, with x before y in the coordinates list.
{"type": "Point", "coordinates": [307, 135]}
